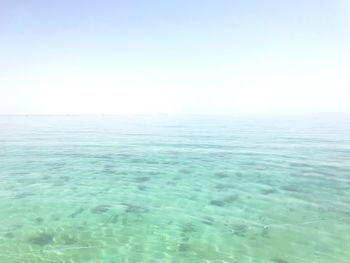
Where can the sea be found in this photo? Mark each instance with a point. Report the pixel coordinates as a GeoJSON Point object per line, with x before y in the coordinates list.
{"type": "Point", "coordinates": [175, 188]}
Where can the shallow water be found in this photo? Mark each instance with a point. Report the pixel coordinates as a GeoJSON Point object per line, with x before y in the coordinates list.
{"type": "Point", "coordinates": [175, 189]}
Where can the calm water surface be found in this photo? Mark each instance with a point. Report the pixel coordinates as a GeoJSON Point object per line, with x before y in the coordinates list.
{"type": "Point", "coordinates": [175, 189]}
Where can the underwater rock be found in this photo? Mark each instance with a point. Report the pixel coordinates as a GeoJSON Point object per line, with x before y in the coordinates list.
{"type": "Point", "coordinates": [109, 167]}
{"type": "Point", "coordinates": [114, 219]}
{"type": "Point", "coordinates": [135, 209]}
{"type": "Point", "coordinates": [171, 183]}
{"type": "Point", "coordinates": [221, 175]}
{"type": "Point", "coordinates": [65, 178]}
{"type": "Point", "coordinates": [100, 209]}
{"type": "Point", "coordinates": [18, 226]}
{"type": "Point", "coordinates": [154, 173]}
{"type": "Point", "coordinates": [27, 181]}
{"type": "Point", "coordinates": [58, 183]}
{"type": "Point", "coordinates": [291, 188]}
{"type": "Point", "coordinates": [68, 239]}
{"type": "Point", "coordinates": [142, 179]}
{"type": "Point", "coordinates": [23, 195]}
{"type": "Point", "coordinates": [183, 247]}
{"type": "Point", "coordinates": [238, 174]}
{"type": "Point", "coordinates": [268, 191]}
{"type": "Point", "coordinates": [185, 171]}
{"type": "Point", "coordinates": [279, 260]}
{"type": "Point", "coordinates": [240, 230]}
{"type": "Point", "coordinates": [142, 187]}
{"type": "Point", "coordinates": [9, 235]}
{"type": "Point", "coordinates": [249, 163]}
{"type": "Point", "coordinates": [217, 202]}
{"type": "Point", "coordinates": [208, 220]}
{"type": "Point", "coordinates": [38, 220]}
{"type": "Point", "coordinates": [188, 228]}
{"type": "Point", "coordinates": [223, 187]}
{"type": "Point", "coordinates": [46, 177]}
{"type": "Point", "coordinates": [77, 212]}
{"type": "Point", "coordinates": [55, 217]}
{"type": "Point", "coordinates": [226, 201]}
{"type": "Point", "coordinates": [265, 231]}
{"type": "Point", "coordinates": [41, 239]}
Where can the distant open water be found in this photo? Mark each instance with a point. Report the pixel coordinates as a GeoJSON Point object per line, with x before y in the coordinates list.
{"type": "Point", "coordinates": [264, 189]}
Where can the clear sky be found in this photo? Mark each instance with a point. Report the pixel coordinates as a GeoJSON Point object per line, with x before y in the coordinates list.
{"type": "Point", "coordinates": [174, 56]}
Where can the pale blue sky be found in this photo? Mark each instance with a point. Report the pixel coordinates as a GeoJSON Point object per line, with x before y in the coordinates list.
{"type": "Point", "coordinates": [188, 56]}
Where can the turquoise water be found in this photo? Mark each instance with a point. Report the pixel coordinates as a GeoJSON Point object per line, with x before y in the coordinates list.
{"type": "Point", "coordinates": [175, 189]}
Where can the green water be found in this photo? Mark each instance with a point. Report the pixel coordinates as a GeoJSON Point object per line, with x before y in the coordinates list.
{"type": "Point", "coordinates": [175, 189]}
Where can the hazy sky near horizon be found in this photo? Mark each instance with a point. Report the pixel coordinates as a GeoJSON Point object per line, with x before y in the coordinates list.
{"type": "Point", "coordinates": [183, 56]}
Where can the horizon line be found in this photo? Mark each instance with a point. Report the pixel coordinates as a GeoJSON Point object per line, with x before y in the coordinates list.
{"type": "Point", "coordinates": [168, 114]}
